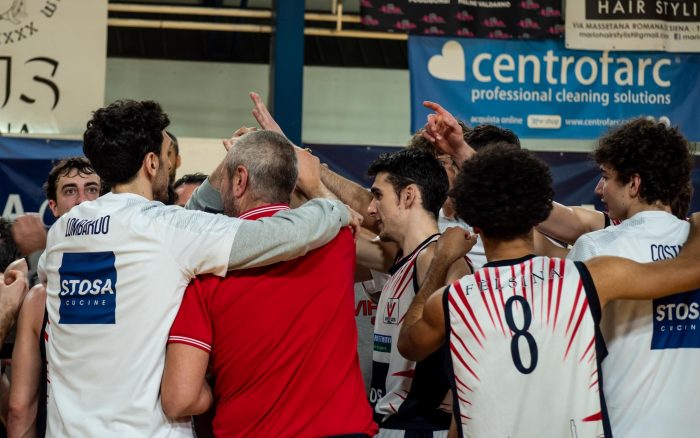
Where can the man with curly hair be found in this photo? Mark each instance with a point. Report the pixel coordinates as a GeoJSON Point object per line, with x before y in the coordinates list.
{"type": "Point", "coordinates": [652, 345]}
{"type": "Point", "coordinates": [116, 269]}
{"type": "Point", "coordinates": [522, 331]}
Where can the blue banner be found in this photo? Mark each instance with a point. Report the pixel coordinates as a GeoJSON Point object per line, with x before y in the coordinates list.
{"type": "Point", "coordinates": [24, 167]}
{"type": "Point", "coordinates": [539, 89]}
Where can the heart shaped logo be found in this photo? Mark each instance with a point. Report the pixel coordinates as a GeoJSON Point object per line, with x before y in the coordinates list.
{"type": "Point", "coordinates": [449, 65]}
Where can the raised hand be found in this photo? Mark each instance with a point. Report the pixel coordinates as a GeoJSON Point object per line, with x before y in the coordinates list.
{"type": "Point", "coordinates": [29, 233]}
{"type": "Point", "coordinates": [262, 115]}
{"type": "Point", "coordinates": [230, 142]}
{"type": "Point", "coordinates": [443, 130]}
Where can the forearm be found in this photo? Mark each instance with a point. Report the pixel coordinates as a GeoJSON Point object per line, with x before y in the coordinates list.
{"type": "Point", "coordinates": [351, 193]}
{"type": "Point", "coordinates": [206, 197]}
{"type": "Point", "coordinates": [462, 154]}
{"type": "Point", "coordinates": [288, 234]}
{"type": "Point", "coordinates": [22, 420]}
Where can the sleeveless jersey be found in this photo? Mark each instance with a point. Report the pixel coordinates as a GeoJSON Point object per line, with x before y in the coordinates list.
{"type": "Point", "coordinates": [653, 346]}
{"type": "Point", "coordinates": [522, 339]}
{"type": "Point", "coordinates": [406, 394]}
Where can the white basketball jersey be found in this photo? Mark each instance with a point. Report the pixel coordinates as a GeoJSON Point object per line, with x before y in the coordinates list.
{"type": "Point", "coordinates": [117, 268]}
{"type": "Point", "coordinates": [522, 338]}
{"type": "Point", "coordinates": [477, 255]}
{"type": "Point", "coordinates": [651, 378]}
{"type": "Point", "coordinates": [406, 395]}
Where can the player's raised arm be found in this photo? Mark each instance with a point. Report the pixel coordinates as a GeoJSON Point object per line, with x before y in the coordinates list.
{"type": "Point", "coordinates": [444, 131]}
{"type": "Point", "coordinates": [619, 278]}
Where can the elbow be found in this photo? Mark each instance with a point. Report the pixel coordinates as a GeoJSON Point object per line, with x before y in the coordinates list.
{"type": "Point", "coordinates": [407, 349]}
{"type": "Point", "coordinates": [20, 418]}
{"type": "Point", "coordinates": [174, 404]}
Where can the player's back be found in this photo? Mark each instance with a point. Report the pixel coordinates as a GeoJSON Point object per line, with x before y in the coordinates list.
{"type": "Point", "coordinates": [116, 274]}
{"type": "Point", "coordinates": [653, 346]}
{"type": "Point", "coordinates": [284, 347]}
{"type": "Point", "coordinates": [522, 335]}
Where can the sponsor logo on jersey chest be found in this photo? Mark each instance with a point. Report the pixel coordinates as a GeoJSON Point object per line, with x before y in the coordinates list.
{"type": "Point", "coordinates": [87, 288]}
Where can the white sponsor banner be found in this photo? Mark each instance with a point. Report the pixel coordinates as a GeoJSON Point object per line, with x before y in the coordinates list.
{"type": "Point", "coordinates": [666, 25]}
{"type": "Point", "coordinates": [52, 64]}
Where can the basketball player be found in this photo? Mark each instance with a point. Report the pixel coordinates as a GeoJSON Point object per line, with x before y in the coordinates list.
{"type": "Point", "coordinates": [522, 334]}
{"type": "Point", "coordinates": [645, 165]}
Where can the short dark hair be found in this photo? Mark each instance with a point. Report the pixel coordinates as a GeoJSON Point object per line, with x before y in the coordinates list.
{"type": "Point", "coordinates": [483, 135]}
{"type": "Point", "coordinates": [8, 249]}
{"type": "Point", "coordinates": [503, 191]}
{"type": "Point", "coordinates": [63, 168]}
{"type": "Point", "coordinates": [271, 163]}
{"type": "Point", "coordinates": [414, 166]}
{"type": "Point", "coordinates": [191, 178]}
{"type": "Point", "coordinates": [659, 154]}
{"type": "Point", "coordinates": [119, 136]}
{"type": "Point", "coordinates": [419, 142]}
{"type": "Point", "coordinates": [176, 145]}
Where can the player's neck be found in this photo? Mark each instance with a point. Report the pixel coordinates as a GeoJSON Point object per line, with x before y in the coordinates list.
{"type": "Point", "coordinates": [138, 186]}
{"type": "Point", "coordinates": [416, 232]}
{"type": "Point", "coordinates": [638, 207]}
{"type": "Point", "coordinates": [497, 249]}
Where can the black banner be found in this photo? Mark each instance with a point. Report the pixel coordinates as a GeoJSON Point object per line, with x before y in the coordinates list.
{"type": "Point", "coordinates": [515, 19]}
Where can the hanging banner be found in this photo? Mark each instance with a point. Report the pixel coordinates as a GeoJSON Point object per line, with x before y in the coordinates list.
{"type": "Point", "coordinates": [52, 64]}
{"type": "Point", "coordinates": [539, 89]}
{"type": "Point", "coordinates": [672, 26]}
{"type": "Point", "coordinates": [24, 167]}
{"type": "Point", "coordinates": [515, 19]}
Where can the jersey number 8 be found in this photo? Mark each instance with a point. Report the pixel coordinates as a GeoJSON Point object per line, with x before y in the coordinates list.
{"type": "Point", "coordinates": [521, 332]}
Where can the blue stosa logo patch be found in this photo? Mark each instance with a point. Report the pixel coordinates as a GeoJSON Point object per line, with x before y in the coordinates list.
{"type": "Point", "coordinates": [677, 321]}
{"type": "Point", "coordinates": [88, 288]}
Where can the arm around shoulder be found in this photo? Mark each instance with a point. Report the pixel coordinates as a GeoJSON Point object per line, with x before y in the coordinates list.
{"type": "Point", "coordinates": [288, 234]}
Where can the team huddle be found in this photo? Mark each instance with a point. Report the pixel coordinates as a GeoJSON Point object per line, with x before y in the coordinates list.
{"type": "Point", "coordinates": [500, 313]}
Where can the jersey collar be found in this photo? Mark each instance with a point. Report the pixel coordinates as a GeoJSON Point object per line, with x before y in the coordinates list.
{"type": "Point", "coordinates": [263, 211]}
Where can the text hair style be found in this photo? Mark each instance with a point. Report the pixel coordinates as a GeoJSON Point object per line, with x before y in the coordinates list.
{"type": "Point", "coordinates": [62, 168]}
{"type": "Point", "coordinates": [414, 166]}
{"type": "Point", "coordinates": [119, 136]}
{"type": "Point", "coordinates": [503, 191]}
{"type": "Point", "coordinates": [660, 155]}
{"type": "Point", "coordinates": [191, 178]}
{"type": "Point", "coordinates": [484, 135]}
{"type": "Point", "coordinates": [271, 163]}
{"type": "Point", "coordinates": [417, 141]}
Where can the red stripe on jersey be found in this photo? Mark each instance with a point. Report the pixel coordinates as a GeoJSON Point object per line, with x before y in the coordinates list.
{"type": "Point", "coordinates": [493, 300]}
{"type": "Point", "coordinates": [573, 309]}
{"type": "Point", "coordinates": [593, 384]}
{"type": "Point", "coordinates": [463, 384]}
{"type": "Point", "coordinates": [465, 417]}
{"type": "Point", "coordinates": [464, 400]}
{"type": "Point", "coordinates": [590, 345]}
{"type": "Point", "coordinates": [562, 268]}
{"type": "Point", "coordinates": [46, 336]}
{"type": "Point", "coordinates": [550, 280]}
{"type": "Point", "coordinates": [459, 356]}
{"type": "Point", "coordinates": [463, 297]}
{"type": "Point", "coordinates": [454, 334]}
{"type": "Point", "coordinates": [407, 268]}
{"type": "Point", "coordinates": [584, 307]}
{"type": "Point", "coordinates": [500, 294]}
{"type": "Point", "coordinates": [595, 417]}
{"type": "Point", "coordinates": [542, 293]}
{"type": "Point", "coordinates": [464, 318]}
{"type": "Point", "coordinates": [477, 278]}
{"type": "Point", "coordinates": [512, 274]}
{"type": "Point", "coordinates": [407, 373]}
{"type": "Point", "coordinates": [393, 408]}
{"type": "Point", "coordinates": [532, 288]}
{"type": "Point", "coordinates": [402, 397]}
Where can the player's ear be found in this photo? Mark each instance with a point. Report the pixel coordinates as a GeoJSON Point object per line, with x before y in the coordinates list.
{"type": "Point", "coordinates": [409, 195]}
{"type": "Point", "coordinates": [634, 186]}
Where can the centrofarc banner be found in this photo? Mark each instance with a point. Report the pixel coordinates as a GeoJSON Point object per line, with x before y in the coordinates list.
{"type": "Point", "coordinates": [664, 25]}
{"type": "Point", "coordinates": [513, 19]}
{"type": "Point", "coordinates": [52, 64]}
{"type": "Point", "coordinates": [539, 89]}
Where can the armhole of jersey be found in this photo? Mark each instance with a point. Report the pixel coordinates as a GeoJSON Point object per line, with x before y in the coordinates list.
{"type": "Point", "coordinates": [601, 349]}
{"type": "Point", "coordinates": [449, 369]}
